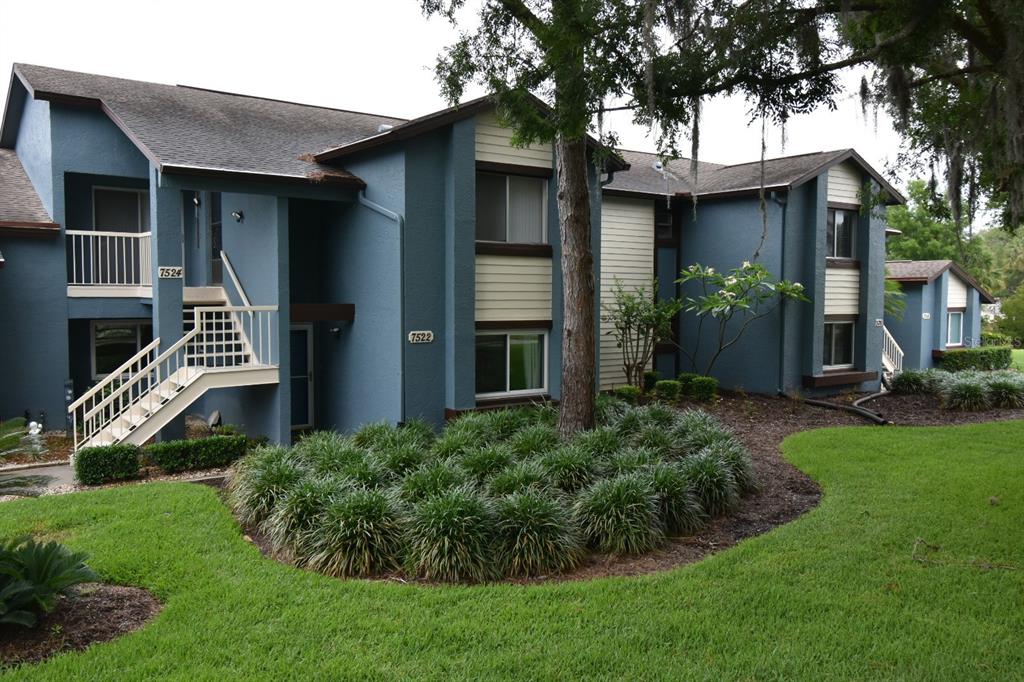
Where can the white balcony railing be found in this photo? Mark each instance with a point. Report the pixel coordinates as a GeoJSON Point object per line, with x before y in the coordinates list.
{"type": "Point", "coordinates": [892, 354]}
{"type": "Point", "coordinates": [109, 259]}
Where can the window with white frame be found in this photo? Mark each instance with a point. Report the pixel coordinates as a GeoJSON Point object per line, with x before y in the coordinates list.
{"type": "Point", "coordinates": [511, 209]}
{"type": "Point", "coordinates": [120, 209]}
{"type": "Point", "coordinates": [511, 363]}
{"type": "Point", "coordinates": [954, 328]}
{"type": "Point", "coordinates": [114, 342]}
{"type": "Point", "coordinates": [838, 345]}
{"type": "Point", "coordinates": [840, 240]}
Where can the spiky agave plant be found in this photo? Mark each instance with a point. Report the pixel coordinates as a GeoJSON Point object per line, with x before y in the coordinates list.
{"type": "Point", "coordinates": [261, 479]}
{"type": "Point", "coordinates": [620, 515]}
{"type": "Point", "coordinates": [451, 537]}
{"type": "Point", "coordinates": [360, 533]}
{"type": "Point", "coordinates": [680, 511]}
{"type": "Point", "coordinates": [711, 481]}
{"type": "Point", "coordinates": [536, 535]}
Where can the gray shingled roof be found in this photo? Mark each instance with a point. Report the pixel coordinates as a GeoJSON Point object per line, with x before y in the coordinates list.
{"type": "Point", "coordinates": [19, 204]}
{"type": "Point", "coordinates": [190, 127]}
{"type": "Point", "coordinates": [714, 178]}
{"type": "Point", "coordinates": [926, 270]}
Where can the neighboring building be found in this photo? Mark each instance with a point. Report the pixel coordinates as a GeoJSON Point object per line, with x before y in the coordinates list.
{"type": "Point", "coordinates": [943, 309]}
{"type": "Point", "coordinates": [818, 231]}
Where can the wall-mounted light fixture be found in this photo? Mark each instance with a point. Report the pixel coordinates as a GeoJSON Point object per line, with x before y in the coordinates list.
{"type": "Point", "coordinates": [238, 216]}
{"type": "Point", "coordinates": [195, 200]}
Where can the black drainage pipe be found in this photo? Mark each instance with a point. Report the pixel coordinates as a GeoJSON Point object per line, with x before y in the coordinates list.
{"type": "Point", "coordinates": [852, 409]}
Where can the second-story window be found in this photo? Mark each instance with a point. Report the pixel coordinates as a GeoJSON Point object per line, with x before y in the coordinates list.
{"type": "Point", "coordinates": [511, 208]}
{"type": "Point", "coordinates": [841, 226]}
{"type": "Point", "coordinates": [120, 210]}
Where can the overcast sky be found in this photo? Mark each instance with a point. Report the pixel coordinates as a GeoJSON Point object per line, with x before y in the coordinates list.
{"type": "Point", "coordinates": [375, 56]}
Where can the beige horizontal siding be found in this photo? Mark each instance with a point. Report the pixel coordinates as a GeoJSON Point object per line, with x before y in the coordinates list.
{"type": "Point", "coordinates": [844, 183]}
{"type": "Point", "coordinates": [627, 253]}
{"type": "Point", "coordinates": [842, 291]}
{"type": "Point", "coordinates": [493, 144]}
{"type": "Point", "coordinates": [510, 288]}
{"type": "Point", "coordinates": [956, 292]}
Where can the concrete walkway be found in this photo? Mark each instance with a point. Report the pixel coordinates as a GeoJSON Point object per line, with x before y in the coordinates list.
{"type": "Point", "coordinates": [60, 475]}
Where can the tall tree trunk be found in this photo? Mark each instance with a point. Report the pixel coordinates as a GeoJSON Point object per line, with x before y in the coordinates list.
{"type": "Point", "coordinates": [578, 350]}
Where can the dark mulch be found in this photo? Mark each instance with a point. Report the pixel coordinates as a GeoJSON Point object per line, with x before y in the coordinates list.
{"type": "Point", "coordinates": [92, 613]}
{"type": "Point", "coordinates": [924, 410]}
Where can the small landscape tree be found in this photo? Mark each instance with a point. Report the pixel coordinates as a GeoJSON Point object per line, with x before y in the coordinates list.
{"type": "Point", "coordinates": [639, 322]}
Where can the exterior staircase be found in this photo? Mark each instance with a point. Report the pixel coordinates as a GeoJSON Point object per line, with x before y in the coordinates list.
{"type": "Point", "coordinates": [892, 358]}
{"type": "Point", "coordinates": [223, 346]}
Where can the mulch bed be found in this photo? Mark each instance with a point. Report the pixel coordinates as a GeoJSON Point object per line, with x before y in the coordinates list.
{"type": "Point", "coordinates": [58, 449]}
{"type": "Point", "coordinates": [92, 613]}
{"type": "Point", "coordinates": [924, 410]}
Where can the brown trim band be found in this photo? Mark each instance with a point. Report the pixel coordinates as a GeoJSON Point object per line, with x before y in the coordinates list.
{"type": "Point", "coordinates": [841, 318]}
{"type": "Point", "coordinates": [629, 194]}
{"type": "Point", "coordinates": [488, 325]}
{"type": "Point", "coordinates": [844, 207]}
{"type": "Point", "coordinates": [840, 378]}
{"type": "Point", "coordinates": [514, 169]}
{"type": "Point", "coordinates": [451, 413]}
{"type": "Point", "coordinates": [956, 310]}
{"type": "Point", "coordinates": [842, 263]}
{"type": "Point", "coordinates": [505, 249]}
{"type": "Point", "coordinates": [9, 228]}
{"type": "Point", "coordinates": [937, 354]}
{"type": "Point", "coordinates": [321, 312]}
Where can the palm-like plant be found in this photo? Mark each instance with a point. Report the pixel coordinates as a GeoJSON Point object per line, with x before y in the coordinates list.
{"type": "Point", "coordinates": [33, 575]}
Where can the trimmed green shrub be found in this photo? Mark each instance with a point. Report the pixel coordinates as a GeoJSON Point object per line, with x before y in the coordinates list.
{"type": "Point", "coordinates": [704, 389]}
{"type": "Point", "coordinates": [261, 479]}
{"type": "Point", "coordinates": [295, 512]}
{"type": "Point", "coordinates": [1006, 391]}
{"type": "Point", "coordinates": [650, 379]}
{"type": "Point", "coordinates": [33, 575]}
{"type": "Point", "coordinates": [685, 380]}
{"type": "Point", "coordinates": [430, 479]}
{"type": "Point", "coordinates": [569, 468]}
{"type": "Point", "coordinates": [536, 536]}
{"type": "Point", "coordinates": [485, 461]}
{"type": "Point", "coordinates": [534, 440]}
{"type": "Point", "coordinates": [360, 533]}
{"type": "Point", "coordinates": [667, 390]}
{"type": "Point", "coordinates": [695, 430]}
{"type": "Point", "coordinates": [996, 339]}
{"type": "Point", "coordinates": [632, 459]}
{"type": "Point", "coordinates": [518, 478]}
{"type": "Point", "coordinates": [678, 507]}
{"type": "Point", "coordinates": [106, 464]}
{"type": "Point", "coordinates": [620, 515]}
{"type": "Point", "coordinates": [601, 442]}
{"type": "Point", "coordinates": [628, 394]}
{"type": "Point", "coordinates": [451, 538]}
{"type": "Point", "coordinates": [712, 482]}
{"type": "Point", "coordinates": [983, 358]}
{"type": "Point", "coordinates": [965, 392]}
{"type": "Point", "coordinates": [738, 459]}
{"type": "Point", "coordinates": [398, 459]}
{"type": "Point", "coordinates": [195, 454]}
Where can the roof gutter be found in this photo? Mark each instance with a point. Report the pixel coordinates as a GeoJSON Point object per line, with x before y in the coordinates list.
{"type": "Point", "coordinates": [399, 219]}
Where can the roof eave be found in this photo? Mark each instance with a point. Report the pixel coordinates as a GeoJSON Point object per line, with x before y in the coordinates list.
{"type": "Point", "coordinates": [895, 197]}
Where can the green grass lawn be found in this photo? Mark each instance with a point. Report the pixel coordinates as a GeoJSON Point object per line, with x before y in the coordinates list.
{"type": "Point", "coordinates": [1018, 358]}
{"type": "Point", "coordinates": [834, 595]}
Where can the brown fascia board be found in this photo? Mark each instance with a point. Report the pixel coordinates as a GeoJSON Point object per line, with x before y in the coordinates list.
{"type": "Point", "coordinates": [18, 228]}
{"type": "Point", "coordinates": [962, 274]}
{"type": "Point", "coordinates": [851, 154]}
{"type": "Point", "coordinates": [12, 111]}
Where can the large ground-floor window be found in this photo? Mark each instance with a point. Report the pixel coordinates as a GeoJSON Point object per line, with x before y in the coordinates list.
{"type": "Point", "coordinates": [114, 342]}
{"type": "Point", "coordinates": [838, 345]}
{"type": "Point", "coordinates": [511, 363]}
{"type": "Point", "coordinates": [954, 328]}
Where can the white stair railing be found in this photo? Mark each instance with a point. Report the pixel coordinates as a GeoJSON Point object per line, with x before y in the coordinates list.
{"type": "Point", "coordinates": [892, 354]}
{"type": "Point", "coordinates": [99, 258]}
{"type": "Point", "coordinates": [224, 337]}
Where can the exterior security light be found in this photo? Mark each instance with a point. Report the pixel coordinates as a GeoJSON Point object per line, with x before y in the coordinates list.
{"type": "Point", "coordinates": [238, 216]}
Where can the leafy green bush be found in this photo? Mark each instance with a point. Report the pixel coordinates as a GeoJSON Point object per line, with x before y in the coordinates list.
{"type": "Point", "coordinates": [107, 463]}
{"type": "Point", "coordinates": [983, 358]}
{"type": "Point", "coordinates": [712, 482]}
{"type": "Point", "coordinates": [667, 390]}
{"type": "Point", "coordinates": [1006, 390]}
{"type": "Point", "coordinates": [360, 533]}
{"type": "Point", "coordinates": [33, 575]}
{"type": "Point", "coordinates": [628, 394]}
{"type": "Point", "coordinates": [704, 389]}
{"type": "Point", "coordinates": [569, 468]}
{"type": "Point", "coordinates": [451, 538]}
{"type": "Point", "coordinates": [650, 379]}
{"type": "Point", "coordinates": [996, 339]}
{"type": "Point", "coordinates": [261, 479]}
{"type": "Point", "coordinates": [194, 454]}
{"type": "Point", "coordinates": [518, 478]}
{"type": "Point", "coordinates": [535, 536]}
{"type": "Point", "coordinates": [620, 515]}
{"type": "Point", "coordinates": [485, 461]}
{"type": "Point", "coordinates": [678, 507]}
{"type": "Point", "coordinates": [601, 442]}
{"type": "Point", "coordinates": [288, 524]}
{"type": "Point", "coordinates": [967, 391]}
{"type": "Point", "coordinates": [685, 380]}
{"type": "Point", "coordinates": [430, 479]}
{"type": "Point", "coordinates": [534, 440]}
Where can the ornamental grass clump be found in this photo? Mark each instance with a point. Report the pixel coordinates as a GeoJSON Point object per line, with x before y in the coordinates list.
{"type": "Point", "coordinates": [295, 512]}
{"type": "Point", "coordinates": [399, 459]}
{"type": "Point", "coordinates": [453, 443]}
{"type": "Point", "coordinates": [632, 459]}
{"type": "Point", "coordinates": [416, 432]}
{"type": "Point", "coordinates": [738, 459]}
{"type": "Point", "coordinates": [630, 422]}
{"type": "Point", "coordinates": [533, 440]}
{"type": "Point", "coordinates": [376, 435]}
{"type": "Point", "coordinates": [430, 479]}
{"type": "Point", "coordinates": [261, 479]}
{"type": "Point", "coordinates": [712, 482]}
{"type": "Point", "coordinates": [367, 472]}
{"type": "Point", "coordinates": [1006, 391]}
{"type": "Point", "coordinates": [518, 478]}
{"type": "Point", "coordinates": [678, 507]}
{"type": "Point", "coordinates": [912, 382]}
{"type": "Point", "coordinates": [600, 443]}
{"type": "Point", "coordinates": [327, 452]}
{"type": "Point", "coordinates": [656, 439]}
{"type": "Point", "coordinates": [569, 468]}
{"type": "Point", "coordinates": [620, 515]}
{"type": "Point", "coordinates": [659, 416]}
{"type": "Point", "coordinates": [485, 461]}
{"type": "Point", "coordinates": [451, 538]}
{"type": "Point", "coordinates": [360, 533]}
{"type": "Point", "coordinates": [965, 391]}
{"type": "Point", "coordinates": [608, 408]}
{"type": "Point", "coordinates": [501, 424]}
{"type": "Point", "coordinates": [694, 430]}
{"type": "Point", "coordinates": [535, 536]}
{"type": "Point", "coordinates": [474, 427]}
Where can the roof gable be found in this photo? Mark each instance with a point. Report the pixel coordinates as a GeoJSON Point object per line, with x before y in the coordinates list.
{"type": "Point", "coordinates": [927, 271]}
